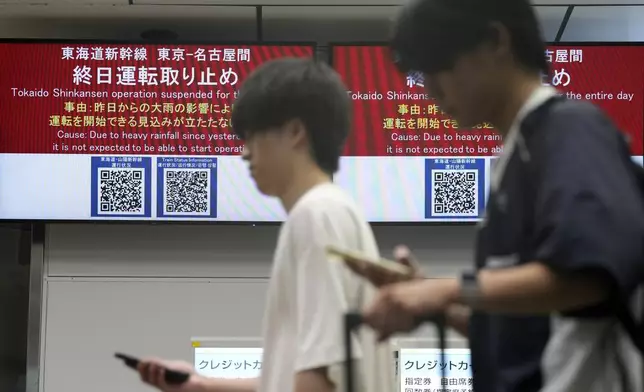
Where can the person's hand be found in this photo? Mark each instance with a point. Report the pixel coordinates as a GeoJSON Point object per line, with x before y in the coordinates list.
{"type": "Point", "coordinates": [152, 372]}
{"type": "Point", "coordinates": [380, 276]}
{"type": "Point", "coordinates": [400, 307]}
{"type": "Point", "coordinates": [403, 255]}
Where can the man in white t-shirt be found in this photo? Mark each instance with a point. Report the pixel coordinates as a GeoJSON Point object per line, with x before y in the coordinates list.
{"type": "Point", "coordinates": [294, 116]}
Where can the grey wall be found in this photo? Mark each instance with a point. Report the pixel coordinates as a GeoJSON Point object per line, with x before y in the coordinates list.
{"type": "Point", "coordinates": [148, 289]}
{"type": "Point", "coordinates": [13, 308]}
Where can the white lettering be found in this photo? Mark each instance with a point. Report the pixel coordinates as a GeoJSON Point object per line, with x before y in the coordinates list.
{"type": "Point", "coordinates": [230, 55]}
{"type": "Point", "coordinates": [103, 75]}
{"type": "Point", "coordinates": [365, 96]}
{"type": "Point", "coordinates": [207, 77]}
{"type": "Point", "coordinates": [126, 54]}
{"type": "Point", "coordinates": [97, 54]}
{"type": "Point", "coordinates": [169, 76]}
{"type": "Point", "coordinates": [200, 54]}
{"type": "Point", "coordinates": [111, 54]}
{"type": "Point", "coordinates": [561, 56]}
{"type": "Point", "coordinates": [23, 92]}
{"type": "Point", "coordinates": [577, 56]}
{"type": "Point", "coordinates": [82, 54]}
{"type": "Point", "coordinates": [126, 76]}
{"type": "Point", "coordinates": [228, 76]}
{"type": "Point", "coordinates": [164, 54]}
{"type": "Point", "coordinates": [140, 54]}
{"type": "Point", "coordinates": [189, 76]}
{"type": "Point", "coordinates": [148, 76]}
{"type": "Point", "coordinates": [243, 54]}
{"type": "Point", "coordinates": [214, 54]}
{"type": "Point", "coordinates": [178, 54]}
{"type": "Point", "coordinates": [82, 75]}
{"type": "Point", "coordinates": [68, 53]}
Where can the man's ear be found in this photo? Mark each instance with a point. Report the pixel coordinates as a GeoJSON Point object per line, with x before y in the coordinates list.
{"type": "Point", "coordinates": [296, 133]}
{"type": "Point", "coordinates": [499, 39]}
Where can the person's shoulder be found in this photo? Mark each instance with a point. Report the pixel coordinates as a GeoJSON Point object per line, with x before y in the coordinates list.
{"type": "Point", "coordinates": [577, 123]}
{"type": "Point", "coordinates": [325, 199]}
{"type": "Point", "coordinates": [572, 112]}
{"type": "Point", "coordinates": [326, 209]}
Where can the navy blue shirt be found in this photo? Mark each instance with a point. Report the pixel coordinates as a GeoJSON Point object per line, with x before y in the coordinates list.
{"type": "Point", "coordinates": [569, 198]}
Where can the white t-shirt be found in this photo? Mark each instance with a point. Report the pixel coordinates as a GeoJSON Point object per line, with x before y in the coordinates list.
{"type": "Point", "coordinates": [308, 295]}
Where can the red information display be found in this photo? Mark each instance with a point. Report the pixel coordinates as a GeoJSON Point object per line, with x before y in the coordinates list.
{"type": "Point", "coordinates": [395, 117]}
{"type": "Point", "coordinates": [118, 131]}
{"type": "Point", "coordinates": [124, 99]}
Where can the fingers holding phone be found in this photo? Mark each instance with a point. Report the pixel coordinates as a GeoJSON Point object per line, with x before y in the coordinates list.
{"type": "Point", "coordinates": [153, 372]}
{"type": "Point", "coordinates": [379, 272]}
{"type": "Point", "coordinates": [402, 254]}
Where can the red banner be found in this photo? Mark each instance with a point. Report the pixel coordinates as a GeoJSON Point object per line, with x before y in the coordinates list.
{"type": "Point", "coordinates": [394, 116]}
{"type": "Point", "coordinates": [125, 99]}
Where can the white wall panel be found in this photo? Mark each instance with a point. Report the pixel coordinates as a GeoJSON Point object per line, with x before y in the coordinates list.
{"type": "Point", "coordinates": [93, 9]}
{"type": "Point", "coordinates": [587, 2]}
{"type": "Point", "coordinates": [550, 19]}
{"type": "Point", "coordinates": [160, 250]}
{"type": "Point", "coordinates": [327, 3]}
{"type": "Point", "coordinates": [328, 24]}
{"type": "Point", "coordinates": [363, 2]}
{"type": "Point", "coordinates": [191, 23]}
{"type": "Point", "coordinates": [216, 251]}
{"type": "Point", "coordinates": [89, 320]}
{"type": "Point", "coordinates": [605, 24]}
{"type": "Point", "coordinates": [147, 289]}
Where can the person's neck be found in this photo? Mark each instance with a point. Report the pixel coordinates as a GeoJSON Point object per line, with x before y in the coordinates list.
{"type": "Point", "coordinates": [304, 180]}
{"type": "Point", "coordinates": [522, 87]}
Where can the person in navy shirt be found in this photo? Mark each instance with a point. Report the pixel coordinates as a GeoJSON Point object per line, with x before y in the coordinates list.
{"type": "Point", "coordinates": [561, 246]}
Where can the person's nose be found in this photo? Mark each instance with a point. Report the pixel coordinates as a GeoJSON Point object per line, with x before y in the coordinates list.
{"type": "Point", "coordinates": [246, 153]}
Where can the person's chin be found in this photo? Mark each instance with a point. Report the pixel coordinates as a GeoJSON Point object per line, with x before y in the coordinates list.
{"type": "Point", "coordinates": [263, 189]}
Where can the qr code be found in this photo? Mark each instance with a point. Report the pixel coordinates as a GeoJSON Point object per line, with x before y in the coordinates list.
{"type": "Point", "coordinates": [455, 192]}
{"type": "Point", "coordinates": [120, 191]}
{"type": "Point", "coordinates": [186, 191]}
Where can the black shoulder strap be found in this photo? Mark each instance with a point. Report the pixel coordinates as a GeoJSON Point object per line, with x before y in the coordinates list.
{"type": "Point", "coordinates": [623, 312]}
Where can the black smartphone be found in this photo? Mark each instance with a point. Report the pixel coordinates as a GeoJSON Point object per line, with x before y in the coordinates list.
{"type": "Point", "coordinates": [171, 377]}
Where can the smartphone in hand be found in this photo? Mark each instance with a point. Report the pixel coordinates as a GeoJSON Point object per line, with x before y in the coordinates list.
{"type": "Point", "coordinates": [172, 377]}
{"type": "Point", "coordinates": [378, 271]}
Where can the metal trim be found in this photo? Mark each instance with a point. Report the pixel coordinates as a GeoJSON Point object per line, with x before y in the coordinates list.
{"type": "Point", "coordinates": [564, 23]}
{"type": "Point", "coordinates": [35, 310]}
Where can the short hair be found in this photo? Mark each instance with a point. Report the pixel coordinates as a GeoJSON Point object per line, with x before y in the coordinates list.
{"type": "Point", "coordinates": [430, 35]}
{"type": "Point", "coordinates": [301, 89]}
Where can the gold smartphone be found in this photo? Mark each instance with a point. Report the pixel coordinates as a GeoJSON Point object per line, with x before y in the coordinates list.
{"type": "Point", "coordinates": [357, 259]}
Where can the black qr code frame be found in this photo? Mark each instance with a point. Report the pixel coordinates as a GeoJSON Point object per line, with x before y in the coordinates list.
{"type": "Point", "coordinates": [105, 176]}
{"type": "Point", "coordinates": [444, 178]}
{"type": "Point", "coordinates": [204, 174]}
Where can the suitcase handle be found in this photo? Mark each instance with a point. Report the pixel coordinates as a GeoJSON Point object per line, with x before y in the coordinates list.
{"type": "Point", "coordinates": [354, 320]}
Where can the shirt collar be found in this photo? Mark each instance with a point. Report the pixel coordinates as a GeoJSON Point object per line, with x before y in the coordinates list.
{"type": "Point", "coordinates": [538, 97]}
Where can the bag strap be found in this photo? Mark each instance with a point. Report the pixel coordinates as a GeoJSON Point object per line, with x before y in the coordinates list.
{"type": "Point", "coordinates": [623, 312]}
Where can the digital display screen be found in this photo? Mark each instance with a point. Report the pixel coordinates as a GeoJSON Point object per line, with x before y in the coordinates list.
{"type": "Point", "coordinates": [96, 131]}
{"type": "Point", "coordinates": [406, 161]}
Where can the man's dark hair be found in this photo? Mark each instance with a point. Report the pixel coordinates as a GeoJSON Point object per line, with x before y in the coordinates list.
{"type": "Point", "coordinates": [301, 89]}
{"type": "Point", "coordinates": [430, 35]}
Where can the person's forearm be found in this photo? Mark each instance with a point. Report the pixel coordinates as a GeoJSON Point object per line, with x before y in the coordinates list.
{"type": "Point", "coordinates": [228, 385]}
{"type": "Point", "coordinates": [458, 318]}
{"type": "Point", "coordinates": [535, 288]}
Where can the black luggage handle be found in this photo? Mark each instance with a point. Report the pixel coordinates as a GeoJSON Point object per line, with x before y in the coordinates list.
{"type": "Point", "coordinates": [354, 320]}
